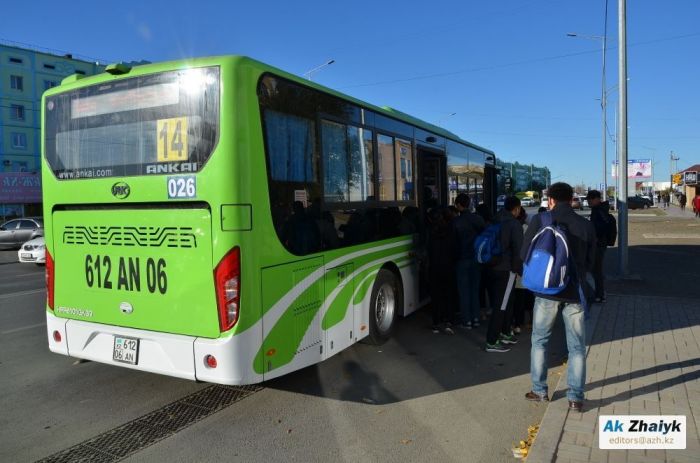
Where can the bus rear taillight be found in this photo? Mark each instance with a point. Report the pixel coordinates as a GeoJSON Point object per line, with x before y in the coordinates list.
{"type": "Point", "coordinates": [227, 278]}
{"type": "Point", "coordinates": [50, 273]}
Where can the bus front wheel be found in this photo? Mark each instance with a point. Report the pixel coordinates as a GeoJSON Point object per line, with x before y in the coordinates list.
{"type": "Point", "coordinates": [385, 306]}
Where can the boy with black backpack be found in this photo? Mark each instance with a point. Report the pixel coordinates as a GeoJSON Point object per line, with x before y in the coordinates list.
{"type": "Point", "coordinates": [606, 234]}
{"type": "Point", "coordinates": [559, 249]}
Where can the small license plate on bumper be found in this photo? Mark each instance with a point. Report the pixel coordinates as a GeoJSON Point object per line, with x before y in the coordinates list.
{"type": "Point", "coordinates": [27, 255]}
{"type": "Point", "coordinates": [126, 350]}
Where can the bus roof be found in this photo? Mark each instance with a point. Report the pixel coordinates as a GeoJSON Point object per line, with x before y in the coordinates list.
{"type": "Point", "coordinates": [149, 68]}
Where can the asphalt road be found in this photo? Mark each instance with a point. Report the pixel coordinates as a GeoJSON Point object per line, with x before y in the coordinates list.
{"type": "Point", "coordinates": [419, 397]}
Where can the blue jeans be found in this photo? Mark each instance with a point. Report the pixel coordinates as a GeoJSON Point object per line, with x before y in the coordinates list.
{"type": "Point", "coordinates": [544, 315]}
{"type": "Point", "coordinates": [468, 278]}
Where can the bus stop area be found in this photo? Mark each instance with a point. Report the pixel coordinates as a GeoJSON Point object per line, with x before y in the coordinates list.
{"type": "Point", "coordinates": [421, 396]}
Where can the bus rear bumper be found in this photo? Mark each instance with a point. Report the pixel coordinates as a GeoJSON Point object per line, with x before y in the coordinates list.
{"type": "Point", "coordinates": [162, 353]}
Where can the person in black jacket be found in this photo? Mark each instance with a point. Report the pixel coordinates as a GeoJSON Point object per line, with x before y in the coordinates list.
{"type": "Point", "coordinates": [500, 276]}
{"type": "Point", "coordinates": [599, 218]}
{"type": "Point", "coordinates": [581, 242]}
{"type": "Point", "coordinates": [468, 273]}
{"type": "Point", "coordinates": [441, 262]}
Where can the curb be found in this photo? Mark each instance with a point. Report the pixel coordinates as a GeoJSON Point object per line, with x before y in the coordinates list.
{"type": "Point", "coordinates": [544, 447]}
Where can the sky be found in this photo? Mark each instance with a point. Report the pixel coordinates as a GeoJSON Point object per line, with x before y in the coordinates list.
{"type": "Point", "coordinates": [516, 83]}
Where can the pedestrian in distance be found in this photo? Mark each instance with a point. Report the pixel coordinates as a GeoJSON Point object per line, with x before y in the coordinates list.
{"type": "Point", "coordinates": [467, 270]}
{"type": "Point", "coordinates": [696, 205]}
{"type": "Point", "coordinates": [683, 200]}
{"type": "Point", "coordinates": [581, 243]}
{"type": "Point", "coordinates": [606, 232]}
{"type": "Point", "coordinates": [500, 277]}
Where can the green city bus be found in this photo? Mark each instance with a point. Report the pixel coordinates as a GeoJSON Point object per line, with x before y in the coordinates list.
{"type": "Point", "coordinates": [221, 220]}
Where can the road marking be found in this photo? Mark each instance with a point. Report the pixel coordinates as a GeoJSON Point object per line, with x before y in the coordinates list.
{"type": "Point", "coordinates": [17, 330]}
{"type": "Point", "coordinates": [38, 274]}
{"type": "Point", "coordinates": [21, 293]}
{"type": "Point", "coordinates": [672, 236]}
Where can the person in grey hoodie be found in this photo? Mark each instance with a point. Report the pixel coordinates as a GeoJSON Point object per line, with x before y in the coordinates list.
{"type": "Point", "coordinates": [500, 276]}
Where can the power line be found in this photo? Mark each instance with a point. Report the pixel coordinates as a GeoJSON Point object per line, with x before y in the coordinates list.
{"type": "Point", "coordinates": [515, 63]}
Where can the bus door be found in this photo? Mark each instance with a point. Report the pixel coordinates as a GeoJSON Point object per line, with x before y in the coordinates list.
{"type": "Point", "coordinates": [432, 192]}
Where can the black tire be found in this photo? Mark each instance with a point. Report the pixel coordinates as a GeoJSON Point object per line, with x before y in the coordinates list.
{"type": "Point", "coordinates": [386, 304]}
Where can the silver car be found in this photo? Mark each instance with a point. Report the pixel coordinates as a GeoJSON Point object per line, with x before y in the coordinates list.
{"type": "Point", "coordinates": [15, 232]}
{"type": "Point", "coordinates": [33, 251]}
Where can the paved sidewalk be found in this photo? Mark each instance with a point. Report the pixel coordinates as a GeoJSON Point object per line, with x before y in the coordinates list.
{"type": "Point", "coordinates": [643, 359]}
{"type": "Point", "coordinates": [675, 211]}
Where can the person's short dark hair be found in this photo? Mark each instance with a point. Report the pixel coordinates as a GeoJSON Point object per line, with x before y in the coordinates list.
{"type": "Point", "coordinates": [463, 200]}
{"type": "Point", "coordinates": [593, 194]}
{"type": "Point", "coordinates": [561, 192]}
{"type": "Point", "coordinates": [542, 209]}
{"type": "Point", "coordinates": [484, 211]}
{"type": "Point", "coordinates": [511, 203]}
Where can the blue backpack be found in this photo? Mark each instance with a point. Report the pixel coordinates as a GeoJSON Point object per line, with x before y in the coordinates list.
{"type": "Point", "coordinates": [488, 244]}
{"type": "Point", "coordinates": [547, 268]}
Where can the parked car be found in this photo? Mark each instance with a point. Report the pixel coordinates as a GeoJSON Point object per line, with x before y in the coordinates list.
{"type": "Point", "coordinates": [584, 202]}
{"type": "Point", "coordinates": [544, 202]}
{"type": "Point", "coordinates": [576, 203]}
{"type": "Point", "coordinates": [527, 201]}
{"type": "Point", "coordinates": [500, 201]}
{"type": "Point", "coordinates": [33, 251]}
{"type": "Point", "coordinates": [637, 202]}
{"type": "Point", "coordinates": [15, 232]}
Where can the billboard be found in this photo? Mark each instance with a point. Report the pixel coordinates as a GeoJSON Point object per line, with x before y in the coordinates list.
{"type": "Point", "coordinates": [690, 177]}
{"type": "Point", "coordinates": [636, 168]}
{"type": "Point", "coordinates": [20, 187]}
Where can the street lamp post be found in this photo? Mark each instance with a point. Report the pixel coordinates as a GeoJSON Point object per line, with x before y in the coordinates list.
{"type": "Point", "coordinates": [310, 73]}
{"type": "Point", "coordinates": [603, 99]}
{"type": "Point", "coordinates": [623, 251]}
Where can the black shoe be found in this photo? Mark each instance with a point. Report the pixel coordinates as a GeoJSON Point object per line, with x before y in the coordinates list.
{"type": "Point", "coordinates": [575, 406]}
{"type": "Point", "coordinates": [534, 397]}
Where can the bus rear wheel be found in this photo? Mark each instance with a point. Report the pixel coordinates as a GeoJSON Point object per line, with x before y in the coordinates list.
{"type": "Point", "coordinates": [385, 306]}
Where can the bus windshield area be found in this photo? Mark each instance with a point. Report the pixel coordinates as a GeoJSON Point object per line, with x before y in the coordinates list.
{"type": "Point", "coordinates": [160, 123]}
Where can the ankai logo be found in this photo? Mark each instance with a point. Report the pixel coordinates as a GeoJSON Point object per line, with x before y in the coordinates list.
{"type": "Point", "coordinates": [121, 190]}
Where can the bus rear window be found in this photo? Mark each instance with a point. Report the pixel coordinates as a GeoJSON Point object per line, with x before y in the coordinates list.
{"type": "Point", "coordinates": [156, 124]}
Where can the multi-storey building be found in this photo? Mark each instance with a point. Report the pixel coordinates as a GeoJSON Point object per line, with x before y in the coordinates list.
{"type": "Point", "coordinates": [24, 76]}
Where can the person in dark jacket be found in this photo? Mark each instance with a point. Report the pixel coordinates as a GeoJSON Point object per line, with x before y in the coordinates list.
{"type": "Point", "coordinates": [468, 273]}
{"type": "Point", "coordinates": [500, 276]}
{"type": "Point", "coordinates": [582, 242]}
{"type": "Point", "coordinates": [599, 218]}
{"type": "Point", "coordinates": [441, 261]}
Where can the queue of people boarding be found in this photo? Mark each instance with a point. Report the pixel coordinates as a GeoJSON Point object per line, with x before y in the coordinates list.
{"type": "Point", "coordinates": [513, 265]}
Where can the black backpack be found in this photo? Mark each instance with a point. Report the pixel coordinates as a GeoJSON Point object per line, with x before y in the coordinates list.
{"type": "Point", "coordinates": [610, 229]}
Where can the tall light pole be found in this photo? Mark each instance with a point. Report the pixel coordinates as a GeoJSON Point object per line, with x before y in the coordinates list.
{"type": "Point", "coordinates": [603, 97]}
{"type": "Point", "coordinates": [623, 251]}
{"type": "Point", "coordinates": [310, 73]}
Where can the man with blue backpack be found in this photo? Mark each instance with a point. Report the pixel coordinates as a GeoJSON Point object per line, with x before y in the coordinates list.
{"type": "Point", "coordinates": [558, 251]}
{"type": "Point", "coordinates": [504, 238]}
{"type": "Point", "coordinates": [467, 227]}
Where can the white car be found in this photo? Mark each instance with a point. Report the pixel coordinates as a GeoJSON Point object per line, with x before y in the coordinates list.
{"type": "Point", "coordinates": [33, 251]}
{"type": "Point", "coordinates": [544, 202]}
{"type": "Point", "coordinates": [527, 202]}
